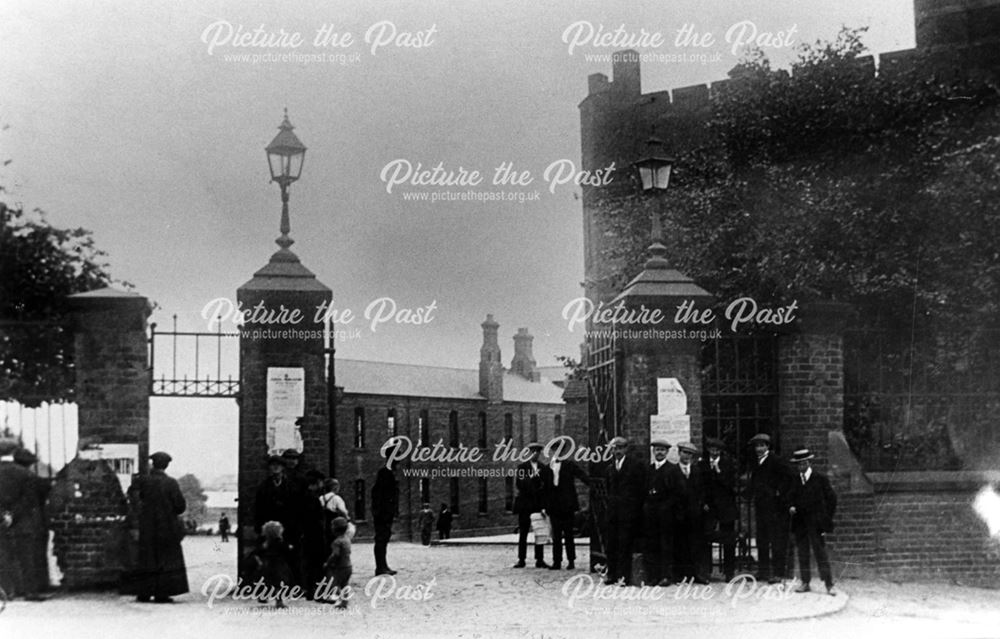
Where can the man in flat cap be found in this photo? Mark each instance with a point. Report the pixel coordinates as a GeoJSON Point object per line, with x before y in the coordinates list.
{"type": "Point", "coordinates": [18, 523]}
{"type": "Point", "coordinates": [770, 481]}
{"type": "Point", "coordinates": [385, 504]}
{"type": "Point", "coordinates": [812, 504]}
{"type": "Point", "coordinates": [531, 478]}
{"type": "Point", "coordinates": [280, 499]}
{"type": "Point", "coordinates": [626, 478]}
{"type": "Point", "coordinates": [689, 531]}
{"type": "Point", "coordinates": [37, 523]}
{"type": "Point", "coordinates": [719, 472]}
{"type": "Point", "coordinates": [563, 503]}
{"type": "Point", "coordinates": [158, 503]}
{"type": "Point", "coordinates": [658, 516]}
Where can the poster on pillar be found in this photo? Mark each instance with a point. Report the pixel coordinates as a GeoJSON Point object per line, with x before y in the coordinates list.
{"type": "Point", "coordinates": [286, 402]}
{"type": "Point", "coordinates": [671, 423]}
{"type": "Point", "coordinates": [670, 397]}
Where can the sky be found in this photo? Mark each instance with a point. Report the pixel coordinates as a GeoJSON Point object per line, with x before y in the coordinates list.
{"type": "Point", "coordinates": [146, 123]}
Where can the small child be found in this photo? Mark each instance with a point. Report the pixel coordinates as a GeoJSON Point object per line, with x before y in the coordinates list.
{"type": "Point", "coordinates": [271, 561]}
{"type": "Point", "coordinates": [338, 565]}
{"type": "Point", "coordinates": [426, 524]}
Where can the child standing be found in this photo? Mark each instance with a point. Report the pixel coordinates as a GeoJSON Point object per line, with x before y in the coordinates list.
{"type": "Point", "coordinates": [338, 565]}
{"type": "Point", "coordinates": [271, 562]}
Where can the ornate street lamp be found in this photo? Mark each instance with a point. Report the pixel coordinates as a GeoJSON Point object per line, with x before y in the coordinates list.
{"type": "Point", "coordinates": [654, 169]}
{"type": "Point", "coordinates": [285, 155]}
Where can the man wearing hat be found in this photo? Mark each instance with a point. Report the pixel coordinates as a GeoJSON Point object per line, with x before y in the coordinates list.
{"type": "Point", "coordinates": [385, 503]}
{"type": "Point", "coordinates": [280, 499]}
{"type": "Point", "coordinates": [658, 518]}
{"type": "Point", "coordinates": [18, 510]}
{"type": "Point", "coordinates": [812, 506]}
{"type": "Point", "coordinates": [719, 472]}
{"type": "Point", "coordinates": [531, 477]}
{"type": "Point", "coordinates": [562, 504]}
{"type": "Point", "coordinates": [770, 481]}
{"type": "Point", "coordinates": [157, 500]}
{"type": "Point", "coordinates": [37, 522]}
{"type": "Point", "coordinates": [626, 478]}
{"type": "Point", "coordinates": [689, 531]}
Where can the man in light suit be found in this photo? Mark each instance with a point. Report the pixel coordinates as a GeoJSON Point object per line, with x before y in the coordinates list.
{"type": "Point", "coordinates": [626, 477]}
{"type": "Point", "coordinates": [563, 503]}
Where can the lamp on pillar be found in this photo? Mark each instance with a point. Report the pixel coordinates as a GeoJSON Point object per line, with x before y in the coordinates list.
{"type": "Point", "coordinates": [285, 155]}
{"type": "Point", "coordinates": [654, 169]}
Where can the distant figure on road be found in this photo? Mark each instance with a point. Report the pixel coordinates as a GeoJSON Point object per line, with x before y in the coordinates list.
{"type": "Point", "coordinates": [224, 528]}
{"type": "Point", "coordinates": [158, 503]}
{"type": "Point", "coordinates": [426, 524]}
{"type": "Point", "coordinates": [444, 522]}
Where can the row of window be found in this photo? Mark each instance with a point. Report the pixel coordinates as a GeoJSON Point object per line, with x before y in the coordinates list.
{"type": "Point", "coordinates": [424, 427]}
{"type": "Point", "coordinates": [455, 500]}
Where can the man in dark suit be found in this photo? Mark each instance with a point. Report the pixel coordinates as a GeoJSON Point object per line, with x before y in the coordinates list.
{"type": "Point", "coordinates": [532, 478]}
{"type": "Point", "coordinates": [812, 506]}
{"type": "Point", "coordinates": [719, 472]}
{"type": "Point", "coordinates": [626, 477]}
{"type": "Point", "coordinates": [19, 520]}
{"type": "Point", "coordinates": [689, 531]}
{"type": "Point", "coordinates": [658, 516]}
{"type": "Point", "coordinates": [770, 481]}
{"type": "Point", "coordinates": [562, 504]}
{"type": "Point", "coordinates": [385, 503]}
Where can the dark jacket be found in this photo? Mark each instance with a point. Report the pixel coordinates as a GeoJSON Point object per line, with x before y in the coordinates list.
{"type": "Point", "coordinates": [769, 484]}
{"type": "Point", "coordinates": [385, 496]}
{"type": "Point", "coordinates": [690, 492]}
{"type": "Point", "coordinates": [282, 502]}
{"type": "Point", "coordinates": [815, 502]}
{"type": "Point", "coordinates": [531, 489]}
{"type": "Point", "coordinates": [626, 489]}
{"type": "Point", "coordinates": [159, 503]}
{"type": "Point", "coordinates": [562, 499]}
{"type": "Point", "coordinates": [720, 488]}
{"type": "Point", "coordinates": [19, 496]}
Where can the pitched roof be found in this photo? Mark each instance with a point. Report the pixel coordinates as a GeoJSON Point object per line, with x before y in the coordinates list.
{"type": "Point", "coordinates": [416, 380]}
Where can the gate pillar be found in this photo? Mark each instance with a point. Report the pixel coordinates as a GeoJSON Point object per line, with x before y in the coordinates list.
{"type": "Point", "coordinates": [283, 388]}
{"type": "Point", "coordinates": [811, 380]}
{"type": "Point", "coordinates": [111, 357]}
{"type": "Point", "coordinates": [652, 349]}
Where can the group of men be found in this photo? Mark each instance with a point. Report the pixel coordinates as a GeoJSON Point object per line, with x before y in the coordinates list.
{"type": "Point", "coordinates": [673, 513]}
{"type": "Point", "coordinates": [24, 534]}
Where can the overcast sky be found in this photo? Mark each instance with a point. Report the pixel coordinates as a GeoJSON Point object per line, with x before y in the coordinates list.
{"type": "Point", "coordinates": [125, 119]}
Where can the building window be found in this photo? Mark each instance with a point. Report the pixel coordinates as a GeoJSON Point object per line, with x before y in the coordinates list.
{"type": "Point", "coordinates": [508, 494]}
{"type": "Point", "coordinates": [424, 428]}
{"type": "Point", "coordinates": [482, 430]}
{"type": "Point", "coordinates": [359, 499]}
{"type": "Point", "coordinates": [453, 428]}
{"type": "Point", "coordinates": [425, 490]}
{"type": "Point", "coordinates": [558, 425]}
{"type": "Point", "coordinates": [508, 428]}
{"type": "Point", "coordinates": [390, 423]}
{"type": "Point", "coordinates": [533, 421]}
{"type": "Point", "coordinates": [359, 427]}
{"type": "Point", "coordinates": [455, 496]}
{"type": "Point", "coordinates": [484, 496]}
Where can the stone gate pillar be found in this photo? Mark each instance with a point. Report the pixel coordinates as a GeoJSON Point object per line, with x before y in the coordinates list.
{"type": "Point", "coordinates": [811, 380]}
{"type": "Point", "coordinates": [282, 340]}
{"type": "Point", "coordinates": [112, 371]}
{"type": "Point", "coordinates": [652, 350]}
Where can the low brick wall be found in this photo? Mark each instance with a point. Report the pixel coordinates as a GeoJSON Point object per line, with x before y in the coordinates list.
{"type": "Point", "coordinates": [918, 526]}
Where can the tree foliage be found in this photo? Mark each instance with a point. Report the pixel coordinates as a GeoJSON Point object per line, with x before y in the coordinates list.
{"type": "Point", "coordinates": [195, 497]}
{"type": "Point", "coordinates": [40, 266]}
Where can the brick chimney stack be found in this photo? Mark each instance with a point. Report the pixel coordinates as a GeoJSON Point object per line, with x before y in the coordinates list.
{"type": "Point", "coordinates": [524, 362]}
{"type": "Point", "coordinates": [490, 367]}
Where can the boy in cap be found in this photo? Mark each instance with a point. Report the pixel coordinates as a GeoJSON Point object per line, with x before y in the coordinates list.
{"type": "Point", "coordinates": [338, 564]}
{"type": "Point", "coordinates": [770, 481]}
{"type": "Point", "coordinates": [812, 506]}
{"type": "Point", "coordinates": [532, 477]}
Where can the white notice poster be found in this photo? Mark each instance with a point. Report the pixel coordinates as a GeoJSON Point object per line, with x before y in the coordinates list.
{"type": "Point", "coordinates": [286, 401]}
